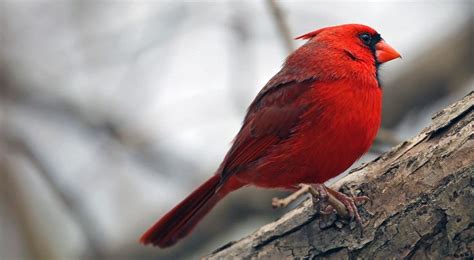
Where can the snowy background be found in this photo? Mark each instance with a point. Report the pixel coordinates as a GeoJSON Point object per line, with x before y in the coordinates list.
{"type": "Point", "coordinates": [113, 111]}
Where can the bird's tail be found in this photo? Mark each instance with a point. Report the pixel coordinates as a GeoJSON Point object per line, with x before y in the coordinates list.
{"type": "Point", "coordinates": [181, 220]}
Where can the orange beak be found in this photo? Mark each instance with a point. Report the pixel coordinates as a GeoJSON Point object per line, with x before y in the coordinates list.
{"type": "Point", "coordinates": [385, 52]}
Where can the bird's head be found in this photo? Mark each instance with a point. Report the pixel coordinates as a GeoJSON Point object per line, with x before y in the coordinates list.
{"type": "Point", "coordinates": [356, 41]}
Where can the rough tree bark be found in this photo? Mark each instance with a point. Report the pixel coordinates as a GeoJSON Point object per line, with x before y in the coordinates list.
{"type": "Point", "coordinates": [422, 204]}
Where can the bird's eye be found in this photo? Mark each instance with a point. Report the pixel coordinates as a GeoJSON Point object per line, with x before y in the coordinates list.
{"type": "Point", "coordinates": [366, 38]}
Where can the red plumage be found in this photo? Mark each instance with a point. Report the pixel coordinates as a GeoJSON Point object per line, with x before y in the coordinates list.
{"type": "Point", "coordinates": [311, 121]}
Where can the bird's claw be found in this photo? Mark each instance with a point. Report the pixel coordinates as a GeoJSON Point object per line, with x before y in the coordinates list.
{"type": "Point", "coordinates": [351, 204]}
{"type": "Point", "coordinates": [328, 200]}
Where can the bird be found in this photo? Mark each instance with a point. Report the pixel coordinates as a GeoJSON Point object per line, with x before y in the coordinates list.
{"type": "Point", "coordinates": [309, 123]}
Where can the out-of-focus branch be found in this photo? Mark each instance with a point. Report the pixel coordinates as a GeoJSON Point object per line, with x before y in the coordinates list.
{"type": "Point", "coordinates": [12, 144]}
{"type": "Point", "coordinates": [17, 145]}
{"type": "Point", "coordinates": [281, 24]}
{"type": "Point", "coordinates": [386, 136]}
{"type": "Point", "coordinates": [242, 64]}
{"type": "Point", "coordinates": [439, 70]}
{"type": "Point", "coordinates": [99, 124]}
{"type": "Point", "coordinates": [12, 195]}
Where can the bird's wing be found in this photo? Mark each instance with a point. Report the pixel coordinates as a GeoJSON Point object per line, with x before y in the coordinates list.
{"type": "Point", "coordinates": [270, 119]}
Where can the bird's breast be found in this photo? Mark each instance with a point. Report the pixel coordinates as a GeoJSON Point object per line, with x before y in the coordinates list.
{"type": "Point", "coordinates": [341, 127]}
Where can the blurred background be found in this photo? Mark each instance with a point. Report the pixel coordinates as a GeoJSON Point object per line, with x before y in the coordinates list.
{"type": "Point", "coordinates": [111, 112]}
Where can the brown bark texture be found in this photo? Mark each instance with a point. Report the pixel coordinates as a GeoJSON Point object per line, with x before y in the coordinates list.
{"type": "Point", "coordinates": [422, 204]}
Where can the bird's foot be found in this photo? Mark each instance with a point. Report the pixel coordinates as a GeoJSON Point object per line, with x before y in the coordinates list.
{"type": "Point", "coordinates": [350, 203]}
{"type": "Point", "coordinates": [327, 200]}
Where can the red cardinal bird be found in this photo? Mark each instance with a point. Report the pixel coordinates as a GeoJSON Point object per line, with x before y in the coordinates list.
{"type": "Point", "coordinates": [309, 123]}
